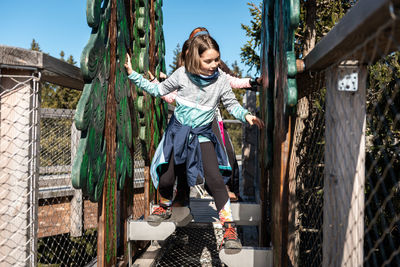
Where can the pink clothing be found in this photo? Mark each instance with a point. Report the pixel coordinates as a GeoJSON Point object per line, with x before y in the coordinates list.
{"type": "Point", "coordinates": [238, 83]}
{"type": "Point", "coordinates": [221, 129]}
{"type": "Point", "coordinates": [170, 98]}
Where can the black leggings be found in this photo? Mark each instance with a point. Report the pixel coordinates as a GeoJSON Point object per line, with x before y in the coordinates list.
{"type": "Point", "coordinates": [213, 177]}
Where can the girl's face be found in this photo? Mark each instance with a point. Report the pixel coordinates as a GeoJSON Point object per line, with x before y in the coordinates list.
{"type": "Point", "coordinates": [209, 62]}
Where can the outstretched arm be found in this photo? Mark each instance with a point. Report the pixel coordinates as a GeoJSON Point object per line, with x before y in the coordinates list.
{"type": "Point", "coordinates": [251, 119]}
{"type": "Point", "coordinates": [163, 88]}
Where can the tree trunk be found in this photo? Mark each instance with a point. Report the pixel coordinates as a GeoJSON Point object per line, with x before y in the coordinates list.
{"type": "Point", "coordinates": [310, 30]}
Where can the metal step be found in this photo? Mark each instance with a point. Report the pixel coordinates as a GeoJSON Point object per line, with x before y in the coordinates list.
{"type": "Point", "coordinates": [143, 230]}
{"type": "Point", "coordinates": [204, 210]}
{"type": "Point", "coordinates": [247, 256]}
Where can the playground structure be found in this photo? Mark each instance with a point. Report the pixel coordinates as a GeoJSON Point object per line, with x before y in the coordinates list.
{"type": "Point", "coordinates": [329, 172]}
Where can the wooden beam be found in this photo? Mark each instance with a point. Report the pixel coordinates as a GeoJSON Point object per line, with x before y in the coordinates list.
{"type": "Point", "coordinates": [365, 18]}
{"type": "Point", "coordinates": [53, 70]}
{"type": "Point", "coordinates": [15, 56]}
{"type": "Point", "coordinates": [61, 73]}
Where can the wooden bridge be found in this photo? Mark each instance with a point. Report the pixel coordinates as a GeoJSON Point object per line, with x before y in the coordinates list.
{"type": "Point", "coordinates": [328, 159]}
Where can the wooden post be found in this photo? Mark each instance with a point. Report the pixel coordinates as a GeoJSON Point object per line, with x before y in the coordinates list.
{"type": "Point", "coordinates": [343, 229]}
{"type": "Point", "coordinates": [76, 219]}
{"type": "Point", "coordinates": [107, 231]}
{"type": "Point", "coordinates": [18, 167]}
{"type": "Point", "coordinates": [146, 191]}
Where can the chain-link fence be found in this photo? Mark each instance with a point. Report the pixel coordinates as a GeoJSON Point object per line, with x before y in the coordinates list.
{"type": "Point", "coordinates": [347, 134]}
{"type": "Point", "coordinates": [44, 221]}
{"type": "Point", "coordinates": [19, 94]}
{"type": "Point", "coordinates": [67, 222]}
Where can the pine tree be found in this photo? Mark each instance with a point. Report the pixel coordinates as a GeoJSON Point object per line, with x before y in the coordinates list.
{"type": "Point", "coordinates": [249, 53]}
{"type": "Point", "coordinates": [175, 60]}
{"type": "Point", "coordinates": [35, 46]}
{"type": "Point", "coordinates": [67, 98]}
{"type": "Point", "coordinates": [62, 54]}
{"type": "Point", "coordinates": [55, 96]}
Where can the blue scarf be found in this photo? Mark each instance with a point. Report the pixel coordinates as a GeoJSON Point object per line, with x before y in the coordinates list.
{"type": "Point", "coordinates": [201, 80]}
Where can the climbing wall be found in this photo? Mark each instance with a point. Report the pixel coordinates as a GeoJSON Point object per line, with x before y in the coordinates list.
{"type": "Point", "coordinates": [114, 117]}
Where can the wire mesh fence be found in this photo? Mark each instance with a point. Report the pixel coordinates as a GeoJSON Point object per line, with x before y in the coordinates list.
{"type": "Point", "coordinates": [67, 222]}
{"type": "Point", "coordinates": [44, 221]}
{"type": "Point", "coordinates": [361, 188]}
{"type": "Point", "coordinates": [18, 166]}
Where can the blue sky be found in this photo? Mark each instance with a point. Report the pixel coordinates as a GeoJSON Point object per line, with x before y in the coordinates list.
{"type": "Point", "coordinates": [61, 25]}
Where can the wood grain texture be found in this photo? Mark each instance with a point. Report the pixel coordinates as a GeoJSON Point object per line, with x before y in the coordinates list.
{"type": "Point", "coordinates": [343, 211]}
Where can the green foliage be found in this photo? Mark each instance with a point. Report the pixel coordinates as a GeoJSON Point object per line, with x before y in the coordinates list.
{"type": "Point", "coordinates": [55, 141]}
{"type": "Point", "coordinates": [54, 96]}
{"type": "Point", "coordinates": [175, 61]}
{"type": "Point", "coordinates": [327, 14]}
{"type": "Point", "coordinates": [35, 46]}
{"type": "Point", "coordinates": [382, 155]}
{"type": "Point", "coordinates": [249, 54]}
{"type": "Point", "coordinates": [64, 250]}
{"type": "Point", "coordinates": [235, 130]}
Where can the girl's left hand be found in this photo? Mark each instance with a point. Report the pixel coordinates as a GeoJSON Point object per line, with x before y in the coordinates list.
{"type": "Point", "coordinates": [251, 119]}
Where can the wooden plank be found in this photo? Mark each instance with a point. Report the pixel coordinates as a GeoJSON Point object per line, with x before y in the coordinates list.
{"type": "Point", "coordinates": [15, 56]}
{"type": "Point", "coordinates": [76, 214]}
{"type": "Point", "coordinates": [55, 169]}
{"type": "Point", "coordinates": [354, 28]}
{"type": "Point", "coordinates": [146, 191]}
{"type": "Point", "coordinates": [53, 70]}
{"type": "Point", "coordinates": [61, 73]}
{"type": "Point", "coordinates": [343, 210]}
{"type": "Point", "coordinates": [56, 113]}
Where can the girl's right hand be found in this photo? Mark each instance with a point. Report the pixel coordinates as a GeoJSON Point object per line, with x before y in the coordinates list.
{"type": "Point", "coordinates": [251, 119]}
{"type": "Point", "coordinates": [128, 64]}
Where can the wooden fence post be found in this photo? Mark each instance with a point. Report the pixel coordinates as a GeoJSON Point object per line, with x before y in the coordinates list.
{"type": "Point", "coordinates": [343, 229]}
{"type": "Point", "coordinates": [76, 219]}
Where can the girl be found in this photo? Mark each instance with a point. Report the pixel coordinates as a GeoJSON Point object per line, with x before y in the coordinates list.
{"type": "Point", "coordinates": [181, 198]}
{"type": "Point", "coordinates": [188, 141]}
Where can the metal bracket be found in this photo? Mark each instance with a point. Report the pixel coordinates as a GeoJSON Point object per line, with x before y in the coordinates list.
{"type": "Point", "coordinates": [348, 78]}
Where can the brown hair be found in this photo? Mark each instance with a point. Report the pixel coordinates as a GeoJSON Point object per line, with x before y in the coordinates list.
{"type": "Point", "coordinates": [197, 46]}
{"type": "Point", "coordinates": [182, 54]}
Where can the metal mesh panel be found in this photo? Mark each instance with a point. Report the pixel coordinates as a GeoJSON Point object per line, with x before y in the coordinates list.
{"type": "Point", "coordinates": [67, 232]}
{"type": "Point", "coordinates": [138, 182]}
{"type": "Point", "coordinates": [310, 177]}
{"type": "Point", "coordinates": [194, 245]}
{"type": "Point", "coordinates": [382, 205]}
{"type": "Point", "coordinates": [376, 224]}
{"type": "Point", "coordinates": [18, 166]}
